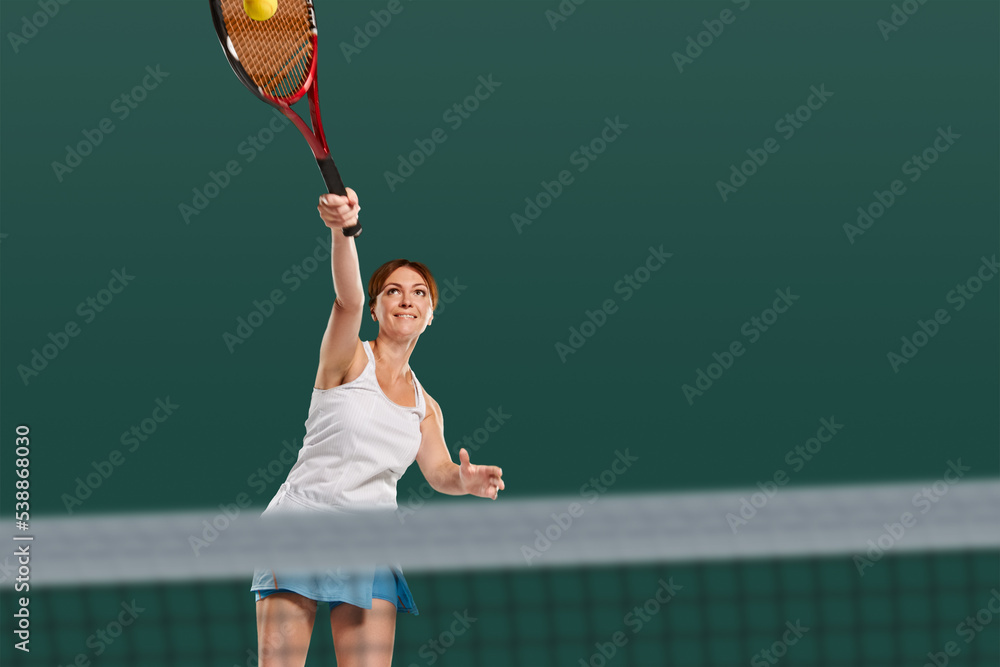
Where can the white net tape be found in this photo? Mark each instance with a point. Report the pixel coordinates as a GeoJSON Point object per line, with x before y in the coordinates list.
{"type": "Point", "coordinates": [513, 533]}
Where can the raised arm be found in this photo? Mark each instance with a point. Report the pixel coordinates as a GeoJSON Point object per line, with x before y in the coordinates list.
{"type": "Point", "coordinates": [340, 341]}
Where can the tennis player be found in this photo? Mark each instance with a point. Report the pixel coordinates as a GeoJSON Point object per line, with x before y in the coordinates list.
{"type": "Point", "coordinates": [368, 420]}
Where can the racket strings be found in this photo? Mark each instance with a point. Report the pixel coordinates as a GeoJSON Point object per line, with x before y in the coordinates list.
{"type": "Point", "coordinates": [275, 53]}
{"type": "Point", "coordinates": [290, 76]}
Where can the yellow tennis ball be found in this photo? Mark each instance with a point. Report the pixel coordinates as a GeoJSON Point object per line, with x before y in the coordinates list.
{"type": "Point", "coordinates": [260, 10]}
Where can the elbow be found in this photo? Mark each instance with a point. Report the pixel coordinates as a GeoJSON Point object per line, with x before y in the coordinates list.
{"type": "Point", "coordinates": [353, 303]}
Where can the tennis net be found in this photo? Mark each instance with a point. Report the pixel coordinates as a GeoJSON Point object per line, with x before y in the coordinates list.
{"type": "Point", "coordinates": [892, 574]}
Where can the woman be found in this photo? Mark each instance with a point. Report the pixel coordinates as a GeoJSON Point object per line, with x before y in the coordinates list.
{"type": "Point", "coordinates": [369, 419]}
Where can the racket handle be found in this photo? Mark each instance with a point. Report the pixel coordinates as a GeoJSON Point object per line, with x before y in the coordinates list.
{"type": "Point", "coordinates": [336, 186]}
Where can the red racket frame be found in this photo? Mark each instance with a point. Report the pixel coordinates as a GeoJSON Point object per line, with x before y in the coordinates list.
{"type": "Point", "coordinates": [315, 136]}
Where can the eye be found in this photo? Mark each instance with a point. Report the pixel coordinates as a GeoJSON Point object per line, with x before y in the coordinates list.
{"type": "Point", "coordinates": [391, 290]}
{"type": "Point", "coordinates": [421, 292]}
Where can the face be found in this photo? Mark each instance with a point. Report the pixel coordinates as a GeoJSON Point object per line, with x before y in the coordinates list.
{"type": "Point", "coordinates": [404, 304]}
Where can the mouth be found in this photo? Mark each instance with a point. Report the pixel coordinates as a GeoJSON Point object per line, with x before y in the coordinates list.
{"type": "Point", "coordinates": [405, 316]}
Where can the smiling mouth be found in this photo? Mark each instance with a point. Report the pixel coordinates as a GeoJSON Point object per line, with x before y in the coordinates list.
{"type": "Point", "coordinates": [409, 316]}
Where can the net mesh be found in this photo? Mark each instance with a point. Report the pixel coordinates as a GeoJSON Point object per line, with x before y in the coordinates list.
{"type": "Point", "coordinates": [838, 585]}
{"type": "Point", "coordinates": [723, 613]}
{"type": "Point", "coordinates": [276, 53]}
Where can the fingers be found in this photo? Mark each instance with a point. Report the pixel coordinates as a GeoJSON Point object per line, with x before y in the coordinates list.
{"type": "Point", "coordinates": [337, 220]}
{"type": "Point", "coordinates": [336, 204]}
{"type": "Point", "coordinates": [494, 480]}
{"type": "Point", "coordinates": [490, 475]}
{"type": "Point", "coordinates": [496, 483]}
{"type": "Point", "coordinates": [350, 200]}
{"type": "Point", "coordinates": [337, 211]}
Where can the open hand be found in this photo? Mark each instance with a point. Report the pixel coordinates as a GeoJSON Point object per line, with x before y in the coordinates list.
{"type": "Point", "coordinates": [479, 480]}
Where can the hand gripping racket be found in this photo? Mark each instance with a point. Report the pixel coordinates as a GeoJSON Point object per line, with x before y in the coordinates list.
{"type": "Point", "coordinates": [276, 60]}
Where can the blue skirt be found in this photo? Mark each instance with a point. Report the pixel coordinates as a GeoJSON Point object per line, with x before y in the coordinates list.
{"type": "Point", "coordinates": [356, 586]}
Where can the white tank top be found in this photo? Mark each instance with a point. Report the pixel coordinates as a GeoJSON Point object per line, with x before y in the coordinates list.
{"type": "Point", "coordinates": [358, 444]}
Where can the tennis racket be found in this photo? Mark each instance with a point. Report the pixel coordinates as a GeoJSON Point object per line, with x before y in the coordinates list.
{"type": "Point", "coordinates": [276, 60]}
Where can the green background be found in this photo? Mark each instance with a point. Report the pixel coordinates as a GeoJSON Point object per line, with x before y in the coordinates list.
{"type": "Point", "coordinates": [495, 344]}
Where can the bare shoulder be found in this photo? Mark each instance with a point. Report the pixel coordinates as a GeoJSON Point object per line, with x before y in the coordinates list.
{"type": "Point", "coordinates": [432, 407]}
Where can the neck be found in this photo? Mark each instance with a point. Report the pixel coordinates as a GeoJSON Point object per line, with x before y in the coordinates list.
{"type": "Point", "coordinates": [392, 357]}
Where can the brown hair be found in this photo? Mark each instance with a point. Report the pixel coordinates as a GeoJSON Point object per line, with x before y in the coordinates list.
{"type": "Point", "coordinates": [377, 282]}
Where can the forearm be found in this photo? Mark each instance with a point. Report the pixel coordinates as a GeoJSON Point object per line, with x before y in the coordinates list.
{"type": "Point", "coordinates": [346, 269]}
{"type": "Point", "coordinates": [448, 481]}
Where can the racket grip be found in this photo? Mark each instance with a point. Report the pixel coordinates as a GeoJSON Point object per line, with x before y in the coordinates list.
{"type": "Point", "coordinates": [336, 186]}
